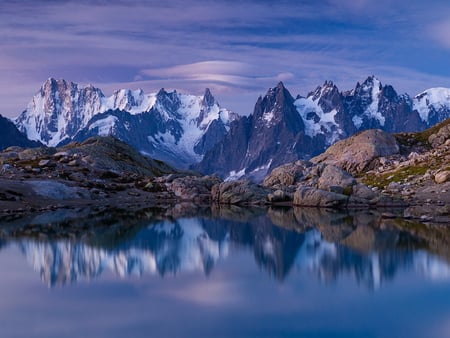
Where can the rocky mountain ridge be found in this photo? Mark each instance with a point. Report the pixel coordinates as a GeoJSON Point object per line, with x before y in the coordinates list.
{"type": "Point", "coordinates": [177, 128]}
{"type": "Point", "coordinates": [283, 129]}
{"type": "Point", "coordinates": [186, 130]}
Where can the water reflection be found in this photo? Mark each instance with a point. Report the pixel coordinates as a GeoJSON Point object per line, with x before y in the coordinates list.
{"type": "Point", "coordinates": [72, 245]}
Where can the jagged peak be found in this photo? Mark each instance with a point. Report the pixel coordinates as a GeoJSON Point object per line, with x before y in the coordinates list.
{"type": "Point", "coordinates": [327, 87]}
{"type": "Point", "coordinates": [280, 86]}
{"type": "Point", "coordinates": [208, 99]}
{"type": "Point", "coordinates": [371, 81]}
{"type": "Point", "coordinates": [161, 92]}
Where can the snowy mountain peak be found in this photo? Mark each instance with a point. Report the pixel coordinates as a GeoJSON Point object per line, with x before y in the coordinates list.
{"type": "Point", "coordinates": [165, 125]}
{"type": "Point", "coordinates": [276, 107]}
{"type": "Point", "coordinates": [318, 111]}
{"type": "Point", "coordinates": [125, 99]}
{"type": "Point", "coordinates": [58, 110]}
{"type": "Point", "coordinates": [432, 104]}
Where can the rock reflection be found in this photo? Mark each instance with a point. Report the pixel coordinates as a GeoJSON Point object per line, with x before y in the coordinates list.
{"type": "Point", "coordinates": [69, 246]}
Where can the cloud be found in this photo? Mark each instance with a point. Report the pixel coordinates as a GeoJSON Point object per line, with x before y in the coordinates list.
{"type": "Point", "coordinates": [234, 47]}
{"type": "Point", "coordinates": [439, 32]}
{"type": "Point", "coordinates": [228, 73]}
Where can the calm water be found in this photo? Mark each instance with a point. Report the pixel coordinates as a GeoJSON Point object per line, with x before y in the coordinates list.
{"type": "Point", "coordinates": [223, 273]}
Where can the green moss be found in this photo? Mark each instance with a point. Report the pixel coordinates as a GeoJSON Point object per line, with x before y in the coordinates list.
{"type": "Point", "coordinates": [383, 180]}
{"type": "Point", "coordinates": [348, 190]}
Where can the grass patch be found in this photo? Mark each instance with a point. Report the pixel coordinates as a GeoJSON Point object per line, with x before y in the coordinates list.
{"type": "Point", "coordinates": [383, 180]}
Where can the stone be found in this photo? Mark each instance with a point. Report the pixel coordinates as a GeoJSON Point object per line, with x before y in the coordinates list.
{"type": "Point", "coordinates": [356, 153]}
{"type": "Point", "coordinates": [363, 191]}
{"type": "Point", "coordinates": [313, 197]}
{"type": "Point", "coordinates": [279, 196]}
{"type": "Point", "coordinates": [44, 163]}
{"type": "Point", "coordinates": [333, 176]}
{"type": "Point", "coordinates": [193, 187]}
{"type": "Point", "coordinates": [60, 154]}
{"type": "Point", "coordinates": [287, 174]}
{"type": "Point", "coordinates": [442, 176]}
{"type": "Point", "coordinates": [240, 192]}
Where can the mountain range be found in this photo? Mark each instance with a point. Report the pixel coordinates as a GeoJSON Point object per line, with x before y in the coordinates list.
{"type": "Point", "coordinates": [194, 131]}
{"type": "Point", "coordinates": [169, 126]}
{"type": "Point", "coordinates": [283, 129]}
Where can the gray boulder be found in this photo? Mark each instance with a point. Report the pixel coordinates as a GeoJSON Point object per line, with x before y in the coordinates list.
{"type": "Point", "coordinates": [332, 177]}
{"type": "Point", "coordinates": [439, 138]}
{"type": "Point", "coordinates": [287, 174]}
{"type": "Point", "coordinates": [240, 192]}
{"type": "Point", "coordinates": [313, 197]}
{"type": "Point", "coordinates": [193, 187]}
{"type": "Point", "coordinates": [356, 153]}
{"type": "Point", "coordinates": [280, 196]}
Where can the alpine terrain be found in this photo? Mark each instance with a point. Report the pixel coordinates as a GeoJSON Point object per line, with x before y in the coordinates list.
{"type": "Point", "coordinates": [283, 129]}
{"type": "Point", "coordinates": [194, 131]}
{"type": "Point", "coordinates": [169, 126]}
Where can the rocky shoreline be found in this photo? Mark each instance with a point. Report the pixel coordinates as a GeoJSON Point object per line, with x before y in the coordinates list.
{"type": "Point", "coordinates": [370, 170]}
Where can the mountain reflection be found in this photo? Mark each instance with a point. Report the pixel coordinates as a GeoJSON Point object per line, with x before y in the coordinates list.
{"type": "Point", "coordinates": [363, 246]}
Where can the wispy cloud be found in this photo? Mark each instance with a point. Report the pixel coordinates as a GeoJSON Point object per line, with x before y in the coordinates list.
{"type": "Point", "coordinates": [237, 48]}
{"type": "Point", "coordinates": [439, 32]}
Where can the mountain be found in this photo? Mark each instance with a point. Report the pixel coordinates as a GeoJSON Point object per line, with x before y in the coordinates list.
{"type": "Point", "coordinates": [11, 136]}
{"type": "Point", "coordinates": [194, 131]}
{"type": "Point", "coordinates": [177, 128]}
{"type": "Point", "coordinates": [282, 129]}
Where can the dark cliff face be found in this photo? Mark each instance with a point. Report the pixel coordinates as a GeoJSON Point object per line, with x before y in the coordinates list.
{"type": "Point", "coordinates": [215, 132]}
{"type": "Point", "coordinates": [269, 137]}
{"type": "Point", "coordinates": [11, 136]}
{"type": "Point", "coordinates": [228, 154]}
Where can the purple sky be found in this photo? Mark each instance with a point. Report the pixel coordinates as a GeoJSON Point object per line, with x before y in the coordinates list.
{"type": "Point", "coordinates": [237, 48]}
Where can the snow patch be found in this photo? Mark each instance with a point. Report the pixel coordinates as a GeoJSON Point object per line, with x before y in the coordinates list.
{"type": "Point", "coordinates": [105, 127]}
{"type": "Point", "coordinates": [357, 121]}
{"type": "Point", "coordinates": [235, 175]}
{"type": "Point", "coordinates": [268, 116]}
{"type": "Point", "coordinates": [372, 110]}
{"type": "Point", "coordinates": [310, 111]}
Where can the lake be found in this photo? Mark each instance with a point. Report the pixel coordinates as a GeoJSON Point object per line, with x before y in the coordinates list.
{"type": "Point", "coordinates": [197, 272]}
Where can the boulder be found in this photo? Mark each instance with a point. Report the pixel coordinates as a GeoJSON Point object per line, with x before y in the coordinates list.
{"type": "Point", "coordinates": [364, 192]}
{"type": "Point", "coordinates": [333, 177]}
{"type": "Point", "coordinates": [439, 138]}
{"type": "Point", "coordinates": [193, 187]}
{"type": "Point", "coordinates": [442, 176]}
{"type": "Point", "coordinates": [240, 192]}
{"type": "Point", "coordinates": [287, 174]}
{"type": "Point", "coordinates": [356, 153]}
{"type": "Point", "coordinates": [280, 196]}
{"type": "Point", "coordinates": [313, 197]}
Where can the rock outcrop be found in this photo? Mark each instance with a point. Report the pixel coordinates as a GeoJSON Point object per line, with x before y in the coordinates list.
{"type": "Point", "coordinates": [321, 185]}
{"type": "Point", "coordinates": [357, 153]}
{"type": "Point", "coordinates": [240, 192]}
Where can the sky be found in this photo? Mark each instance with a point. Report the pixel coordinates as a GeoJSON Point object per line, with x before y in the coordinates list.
{"type": "Point", "coordinates": [237, 48]}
